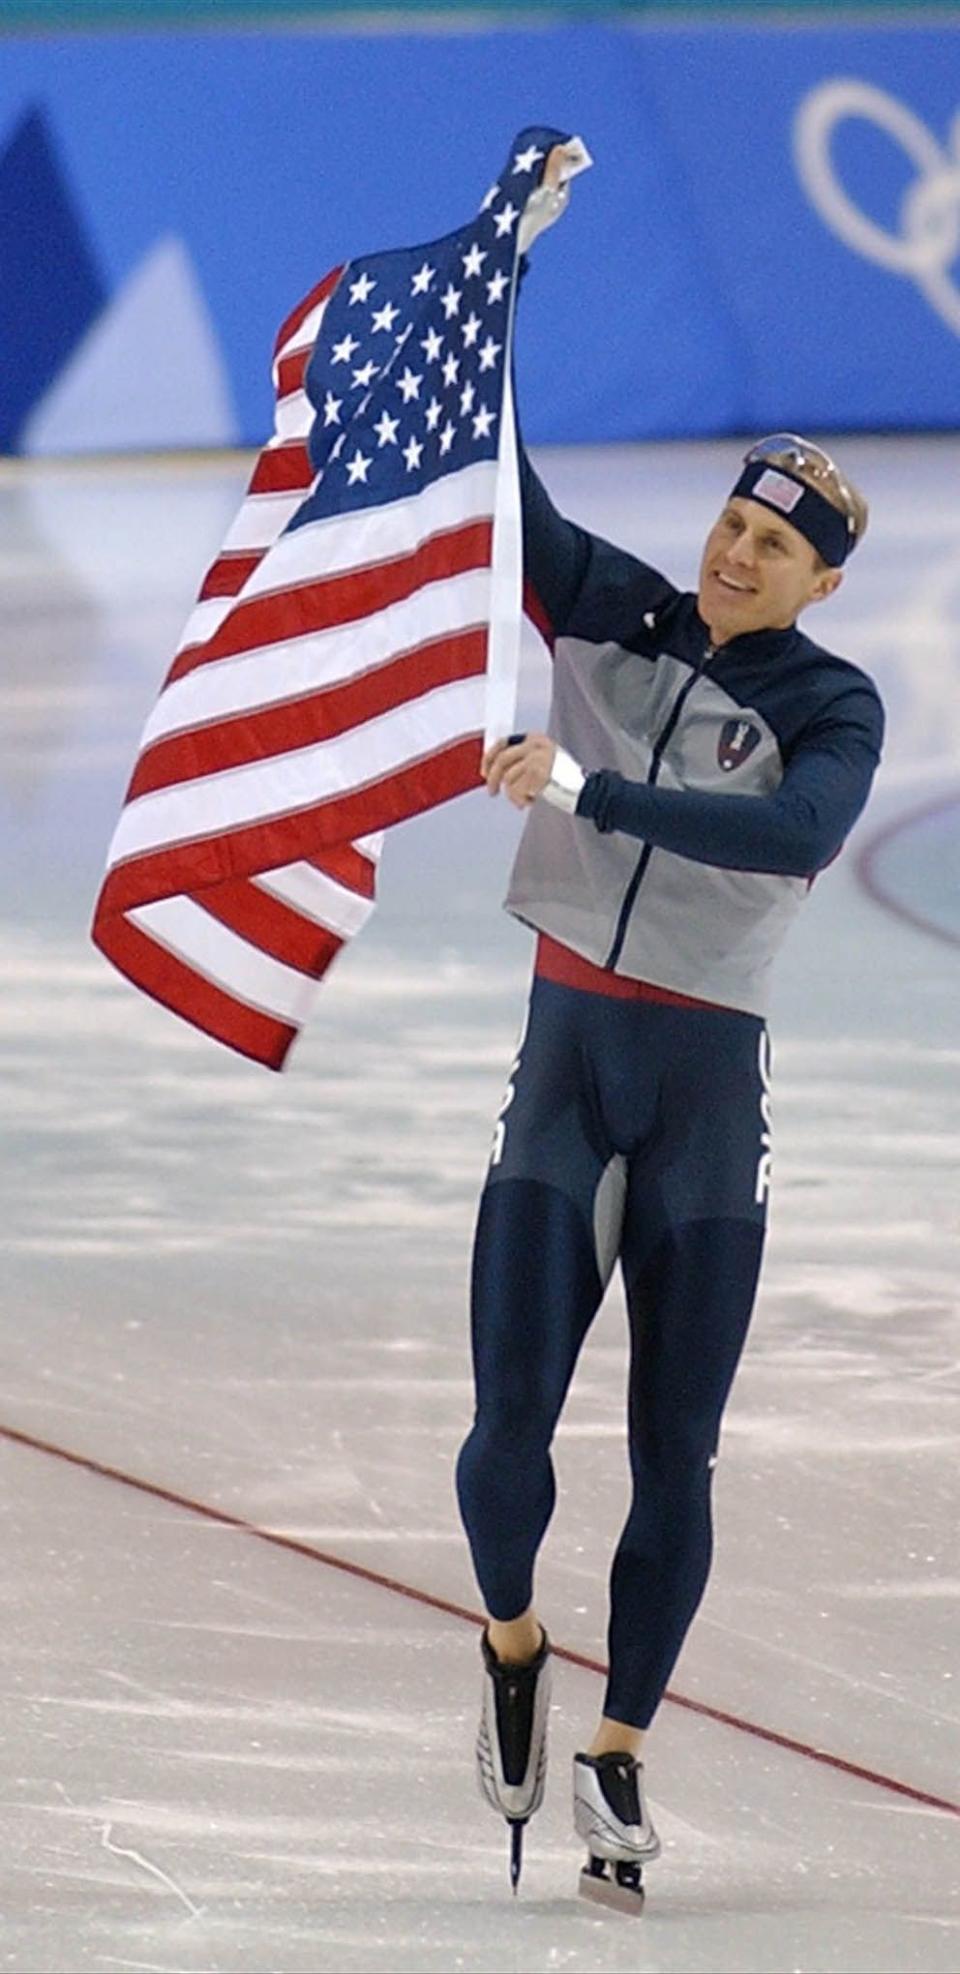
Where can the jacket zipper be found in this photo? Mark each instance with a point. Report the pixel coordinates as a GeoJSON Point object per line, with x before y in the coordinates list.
{"type": "Point", "coordinates": [659, 750]}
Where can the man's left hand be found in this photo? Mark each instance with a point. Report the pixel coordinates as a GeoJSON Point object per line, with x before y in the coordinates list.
{"type": "Point", "coordinates": [521, 768]}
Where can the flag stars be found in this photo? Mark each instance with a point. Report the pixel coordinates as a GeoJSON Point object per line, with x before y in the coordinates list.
{"type": "Point", "coordinates": [473, 261]}
{"type": "Point", "coordinates": [482, 422]}
{"type": "Point", "coordinates": [386, 429]}
{"type": "Point", "coordinates": [489, 354]}
{"type": "Point", "coordinates": [360, 290]}
{"type": "Point", "coordinates": [358, 467]}
{"type": "Point", "coordinates": [409, 384]}
{"type": "Point", "coordinates": [495, 288]}
{"type": "Point", "coordinates": [488, 201]}
{"type": "Point", "coordinates": [365, 376]}
{"type": "Point", "coordinates": [420, 282]}
{"type": "Point", "coordinates": [525, 160]}
{"type": "Point", "coordinates": [331, 409]}
{"type": "Point", "coordinates": [450, 368]}
{"type": "Point", "coordinates": [505, 219]}
{"type": "Point", "coordinates": [447, 437]}
{"type": "Point", "coordinates": [467, 396]}
{"type": "Point", "coordinates": [342, 352]}
{"type": "Point", "coordinates": [434, 414]}
{"type": "Point", "coordinates": [470, 330]}
{"type": "Point", "coordinates": [450, 300]}
{"type": "Point", "coordinates": [385, 317]}
{"type": "Point", "coordinates": [432, 345]}
{"type": "Point", "coordinates": [412, 454]}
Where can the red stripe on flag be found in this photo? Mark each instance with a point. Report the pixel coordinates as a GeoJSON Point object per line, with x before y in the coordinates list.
{"type": "Point", "coordinates": [282, 469]}
{"type": "Point", "coordinates": [298, 316]}
{"type": "Point", "coordinates": [410, 791]}
{"type": "Point", "coordinates": [170, 981]}
{"type": "Point", "coordinates": [291, 371]}
{"type": "Point", "coordinates": [190, 867]}
{"type": "Point", "coordinates": [273, 926]}
{"type": "Point", "coordinates": [305, 607]}
{"type": "Point", "coordinates": [227, 575]}
{"type": "Point", "coordinates": [347, 865]}
{"type": "Point", "coordinates": [260, 734]}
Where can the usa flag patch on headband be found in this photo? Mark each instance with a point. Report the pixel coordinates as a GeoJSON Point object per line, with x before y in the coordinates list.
{"type": "Point", "coordinates": [778, 490]}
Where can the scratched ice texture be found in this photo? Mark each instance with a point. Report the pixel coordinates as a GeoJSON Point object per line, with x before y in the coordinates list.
{"type": "Point", "coordinates": [251, 1291]}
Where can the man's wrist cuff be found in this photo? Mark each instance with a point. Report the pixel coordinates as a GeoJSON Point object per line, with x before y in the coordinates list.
{"type": "Point", "coordinates": [566, 780]}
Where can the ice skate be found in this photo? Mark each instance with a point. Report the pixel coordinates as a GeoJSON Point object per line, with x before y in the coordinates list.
{"type": "Point", "coordinates": [610, 1813]}
{"type": "Point", "coordinates": [512, 1741]}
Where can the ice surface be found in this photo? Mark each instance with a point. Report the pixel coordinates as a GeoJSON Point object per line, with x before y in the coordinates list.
{"type": "Point", "coordinates": [252, 1291]}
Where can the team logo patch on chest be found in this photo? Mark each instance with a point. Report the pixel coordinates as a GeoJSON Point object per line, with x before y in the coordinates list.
{"type": "Point", "coordinates": [738, 738]}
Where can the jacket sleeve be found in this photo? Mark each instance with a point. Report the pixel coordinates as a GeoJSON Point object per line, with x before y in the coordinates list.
{"type": "Point", "coordinates": [793, 832]}
{"type": "Point", "coordinates": [581, 585]}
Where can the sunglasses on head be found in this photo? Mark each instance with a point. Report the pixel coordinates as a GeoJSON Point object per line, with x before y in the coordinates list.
{"type": "Point", "coordinates": [787, 450]}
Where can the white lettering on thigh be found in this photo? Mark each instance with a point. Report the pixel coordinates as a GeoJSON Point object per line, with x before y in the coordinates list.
{"type": "Point", "coordinates": [500, 1133]}
{"type": "Point", "coordinates": [766, 1122]}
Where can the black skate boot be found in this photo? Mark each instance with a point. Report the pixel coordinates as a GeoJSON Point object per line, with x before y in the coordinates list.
{"type": "Point", "coordinates": [610, 1813]}
{"type": "Point", "coordinates": [512, 1741]}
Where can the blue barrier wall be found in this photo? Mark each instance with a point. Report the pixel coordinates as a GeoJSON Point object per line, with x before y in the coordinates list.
{"type": "Point", "coordinates": [770, 235]}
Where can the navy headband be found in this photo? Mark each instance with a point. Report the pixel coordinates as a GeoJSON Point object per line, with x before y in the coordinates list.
{"type": "Point", "coordinates": [815, 517]}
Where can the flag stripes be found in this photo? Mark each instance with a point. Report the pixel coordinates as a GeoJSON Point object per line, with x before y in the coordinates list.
{"type": "Point", "coordinates": [299, 917]}
{"type": "Point", "coordinates": [311, 664]}
{"type": "Point", "coordinates": [302, 607]}
{"type": "Point", "coordinates": [188, 992]}
{"type": "Point", "coordinates": [238, 741]}
{"type": "Point", "coordinates": [351, 643]}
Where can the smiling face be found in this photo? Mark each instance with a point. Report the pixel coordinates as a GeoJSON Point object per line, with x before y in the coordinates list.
{"type": "Point", "coordinates": [757, 572]}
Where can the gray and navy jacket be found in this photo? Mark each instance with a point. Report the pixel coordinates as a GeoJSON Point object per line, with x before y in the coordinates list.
{"type": "Point", "coordinates": [718, 782]}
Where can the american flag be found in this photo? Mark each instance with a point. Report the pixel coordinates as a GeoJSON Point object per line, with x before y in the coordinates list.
{"type": "Point", "coordinates": [357, 633]}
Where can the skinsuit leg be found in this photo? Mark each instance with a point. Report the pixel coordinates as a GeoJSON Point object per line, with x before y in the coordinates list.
{"type": "Point", "coordinates": [693, 1234]}
{"type": "Point", "coordinates": [636, 1128]}
{"type": "Point", "coordinates": [546, 1241]}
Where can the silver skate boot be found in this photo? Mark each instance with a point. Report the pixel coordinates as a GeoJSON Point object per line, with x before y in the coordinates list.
{"type": "Point", "coordinates": [610, 1813]}
{"type": "Point", "coordinates": [512, 1741]}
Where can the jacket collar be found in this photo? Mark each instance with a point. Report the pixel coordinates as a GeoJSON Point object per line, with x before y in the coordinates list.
{"type": "Point", "coordinates": [751, 644]}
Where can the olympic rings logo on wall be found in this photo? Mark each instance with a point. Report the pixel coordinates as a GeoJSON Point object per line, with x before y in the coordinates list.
{"type": "Point", "coordinates": [929, 238]}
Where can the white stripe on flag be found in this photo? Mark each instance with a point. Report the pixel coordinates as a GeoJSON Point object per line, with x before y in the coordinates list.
{"type": "Point", "coordinates": [261, 519]}
{"type": "Point", "coordinates": [318, 897]}
{"type": "Point", "coordinates": [506, 594]}
{"type": "Point", "coordinates": [300, 778]}
{"type": "Point", "coordinates": [328, 547]}
{"type": "Point", "coordinates": [298, 666]}
{"type": "Point", "coordinates": [204, 619]}
{"type": "Point", "coordinates": [371, 845]}
{"type": "Point", "coordinates": [294, 415]}
{"type": "Point", "coordinates": [227, 960]}
{"type": "Point", "coordinates": [306, 333]}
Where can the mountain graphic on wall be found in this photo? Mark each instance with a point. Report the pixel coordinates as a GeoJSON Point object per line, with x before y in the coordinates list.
{"type": "Point", "coordinates": [147, 374]}
{"type": "Point", "coordinates": [52, 288]}
{"type": "Point", "coordinates": [83, 370]}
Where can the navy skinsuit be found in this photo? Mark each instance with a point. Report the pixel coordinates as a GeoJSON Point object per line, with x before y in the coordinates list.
{"type": "Point", "coordinates": [636, 1124]}
{"type": "Point", "coordinates": [646, 1119]}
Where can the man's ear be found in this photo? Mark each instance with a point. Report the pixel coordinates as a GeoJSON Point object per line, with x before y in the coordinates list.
{"type": "Point", "coordinates": [827, 582]}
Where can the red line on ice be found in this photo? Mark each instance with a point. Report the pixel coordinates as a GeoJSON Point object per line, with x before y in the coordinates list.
{"type": "Point", "coordinates": [297, 1547]}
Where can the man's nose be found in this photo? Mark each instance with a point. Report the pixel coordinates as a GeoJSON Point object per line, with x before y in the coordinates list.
{"type": "Point", "coordinates": [741, 550]}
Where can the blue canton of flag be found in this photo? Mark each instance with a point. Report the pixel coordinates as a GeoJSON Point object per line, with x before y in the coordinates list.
{"type": "Point", "coordinates": [408, 380]}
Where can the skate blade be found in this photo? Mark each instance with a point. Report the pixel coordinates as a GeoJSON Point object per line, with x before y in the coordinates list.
{"type": "Point", "coordinates": [516, 1853]}
{"type": "Point", "coordinates": [607, 1891]}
